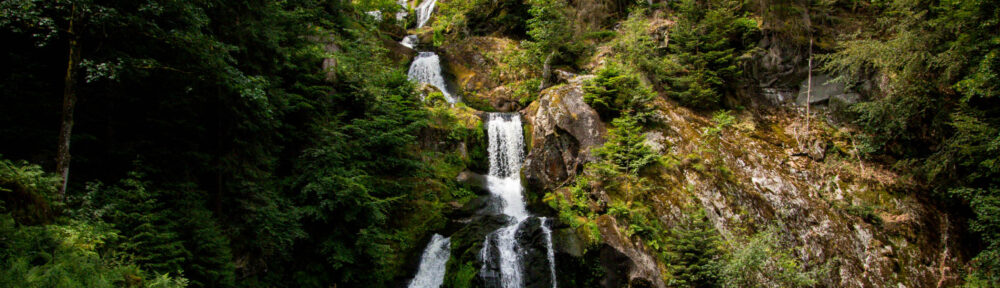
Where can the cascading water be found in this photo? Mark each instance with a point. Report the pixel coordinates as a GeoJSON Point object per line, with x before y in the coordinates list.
{"type": "Point", "coordinates": [426, 68]}
{"type": "Point", "coordinates": [410, 41]}
{"type": "Point", "coordinates": [550, 252]}
{"type": "Point", "coordinates": [501, 248]}
{"type": "Point", "coordinates": [432, 263]}
{"type": "Point", "coordinates": [424, 12]}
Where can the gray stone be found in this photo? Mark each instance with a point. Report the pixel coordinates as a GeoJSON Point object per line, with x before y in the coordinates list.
{"type": "Point", "coordinates": [822, 89]}
{"type": "Point", "coordinates": [564, 130]}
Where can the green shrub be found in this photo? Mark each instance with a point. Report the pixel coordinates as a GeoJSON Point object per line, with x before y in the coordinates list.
{"type": "Point", "coordinates": [616, 91]}
{"type": "Point", "coordinates": [626, 150]}
{"type": "Point", "coordinates": [764, 261]}
{"type": "Point", "coordinates": [27, 192]}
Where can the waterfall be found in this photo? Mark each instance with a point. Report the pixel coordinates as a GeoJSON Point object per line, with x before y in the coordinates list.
{"type": "Point", "coordinates": [506, 144]}
{"type": "Point", "coordinates": [501, 248]}
{"type": "Point", "coordinates": [410, 41]}
{"type": "Point", "coordinates": [432, 263]}
{"type": "Point", "coordinates": [426, 68]}
{"type": "Point", "coordinates": [424, 12]}
{"type": "Point", "coordinates": [550, 252]}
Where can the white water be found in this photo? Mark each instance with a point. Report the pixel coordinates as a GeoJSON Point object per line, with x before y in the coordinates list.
{"type": "Point", "coordinates": [550, 252]}
{"type": "Point", "coordinates": [426, 68]}
{"type": "Point", "coordinates": [432, 263]}
{"type": "Point", "coordinates": [410, 41]}
{"type": "Point", "coordinates": [506, 143]}
{"type": "Point", "coordinates": [424, 12]}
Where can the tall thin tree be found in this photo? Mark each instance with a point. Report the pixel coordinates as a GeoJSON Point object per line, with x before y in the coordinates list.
{"type": "Point", "coordinates": [69, 103]}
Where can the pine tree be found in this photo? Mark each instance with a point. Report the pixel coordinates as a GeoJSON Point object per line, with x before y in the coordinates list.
{"type": "Point", "coordinates": [626, 149]}
{"type": "Point", "coordinates": [694, 252]}
{"type": "Point", "coordinates": [147, 235]}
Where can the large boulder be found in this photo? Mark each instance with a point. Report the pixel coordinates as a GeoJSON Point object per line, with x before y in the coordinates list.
{"type": "Point", "coordinates": [398, 53]}
{"type": "Point", "coordinates": [564, 129]}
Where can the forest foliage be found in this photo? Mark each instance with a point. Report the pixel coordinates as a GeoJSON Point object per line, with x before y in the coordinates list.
{"type": "Point", "coordinates": [274, 143]}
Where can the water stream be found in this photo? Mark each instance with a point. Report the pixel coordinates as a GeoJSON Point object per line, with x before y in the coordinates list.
{"type": "Point", "coordinates": [432, 263]}
{"type": "Point", "coordinates": [424, 12]}
{"type": "Point", "coordinates": [426, 68]}
{"type": "Point", "coordinates": [501, 248]}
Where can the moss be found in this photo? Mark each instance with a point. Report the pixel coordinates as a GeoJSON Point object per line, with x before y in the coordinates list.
{"type": "Point", "coordinates": [463, 277]}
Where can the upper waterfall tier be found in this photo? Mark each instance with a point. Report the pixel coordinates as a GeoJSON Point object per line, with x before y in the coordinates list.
{"type": "Point", "coordinates": [426, 68]}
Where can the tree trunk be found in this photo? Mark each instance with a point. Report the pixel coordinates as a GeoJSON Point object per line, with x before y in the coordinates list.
{"type": "Point", "coordinates": [69, 103]}
{"type": "Point", "coordinates": [547, 71]}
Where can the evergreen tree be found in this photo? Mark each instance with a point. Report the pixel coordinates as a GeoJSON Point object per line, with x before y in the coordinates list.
{"type": "Point", "coordinates": [615, 91]}
{"type": "Point", "coordinates": [694, 253]}
{"type": "Point", "coordinates": [626, 150]}
{"type": "Point", "coordinates": [706, 42]}
{"type": "Point", "coordinates": [148, 237]}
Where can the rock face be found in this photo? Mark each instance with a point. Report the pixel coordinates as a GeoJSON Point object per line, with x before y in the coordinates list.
{"type": "Point", "coordinates": [564, 130]}
{"type": "Point", "coordinates": [778, 64]}
{"type": "Point", "coordinates": [477, 63]}
{"type": "Point", "coordinates": [635, 266]}
{"type": "Point", "coordinates": [906, 242]}
{"type": "Point", "coordinates": [823, 89]}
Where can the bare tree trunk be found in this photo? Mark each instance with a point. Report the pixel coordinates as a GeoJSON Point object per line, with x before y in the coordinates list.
{"type": "Point", "coordinates": [69, 103]}
{"type": "Point", "coordinates": [809, 84]}
{"type": "Point", "coordinates": [808, 20]}
{"type": "Point", "coordinates": [547, 71]}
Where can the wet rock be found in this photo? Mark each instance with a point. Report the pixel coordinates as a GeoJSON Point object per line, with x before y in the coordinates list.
{"type": "Point", "coordinates": [564, 130]}
{"type": "Point", "coordinates": [397, 52]}
{"type": "Point", "coordinates": [531, 249]}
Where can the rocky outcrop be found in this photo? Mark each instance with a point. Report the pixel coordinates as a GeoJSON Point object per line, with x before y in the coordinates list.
{"type": "Point", "coordinates": [477, 64]}
{"type": "Point", "coordinates": [397, 52]}
{"type": "Point", "coordinates": [636, 267]}
{"type": "Point", "coordinates": [564, 130]}
{"type": "Point", "coordinates": [777, 64]}
{"type": "Point", "coordinates": [823, 89]}
{"type": "Point", "coordinates": [819, 207]}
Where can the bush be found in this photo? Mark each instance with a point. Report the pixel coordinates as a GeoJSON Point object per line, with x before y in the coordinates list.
{"type": "Point", "coordinates": [765, 262]}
